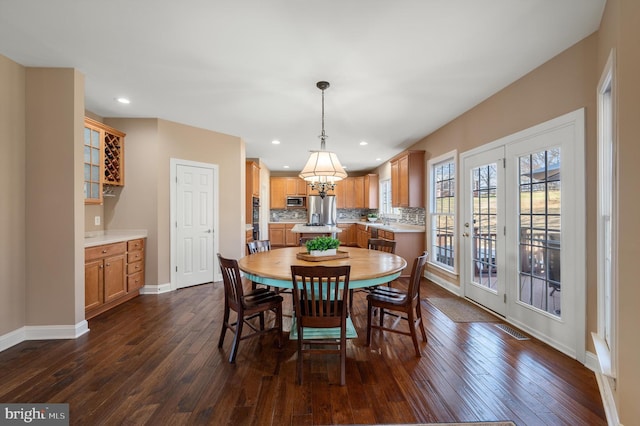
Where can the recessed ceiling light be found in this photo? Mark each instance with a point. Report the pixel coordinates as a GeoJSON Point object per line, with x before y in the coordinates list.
{"type": "Point", "coordinates": [378, 159]}
{"type": "Point", "coordinates": [275, 142]}
{"type": "Point", "coordinates": [363, 143]}
{"type": "Point", "coordinates": [285, 167]}
{"type": "Point", "coordinates": [123, 100]}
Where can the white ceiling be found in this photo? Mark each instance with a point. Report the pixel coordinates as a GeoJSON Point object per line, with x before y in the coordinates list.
{"type": "Point", "coordinates": [399, 69]}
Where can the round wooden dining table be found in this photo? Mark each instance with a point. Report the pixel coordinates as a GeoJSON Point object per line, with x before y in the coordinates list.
{"type": "Point", "coordinates": [368, 267]}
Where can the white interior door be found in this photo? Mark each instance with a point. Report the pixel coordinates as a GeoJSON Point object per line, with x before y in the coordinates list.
{"type": "Point", "coordinates": [483, 229]}
{"type": "Point", "coordinates": [194, 225]}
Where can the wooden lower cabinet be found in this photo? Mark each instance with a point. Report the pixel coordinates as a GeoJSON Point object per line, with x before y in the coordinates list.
{"type": "Point", "coordinates": [135, 264]}
{"type": "Point", "coordinates": [348, 236]}
{"type": "Point", "coordinates": [113, 274]}
{"type": "Point", "coordinates": [291, 238]}
{"type": "Point", "coordinates": [93, 284]}
{"type": "Point", "coordinates": [363, 235]}
{"type": "Point", "coordinates": [276, 234]}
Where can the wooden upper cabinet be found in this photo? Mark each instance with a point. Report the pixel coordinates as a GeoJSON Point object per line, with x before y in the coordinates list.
{"type": "Point", "coordinates": [371, 191]}
{"type": "Point", "coordinates": [407, 179]}
{"type": "Point", "coordinates": [253, 179]}
{"type": "Point", "coordinates": [281, 187]}
{"type": "Point", "coordinates": [103, 159]}
{"type": "Point", "coordinates": [357, 196]}
{"type": "Point", "coordinates": [357, 192]}
{"type": "Point", "coordinates": [278, 192]}
{"type": "Point", "coordinates": [252, 184]}
{"type": "Point", "coordinates": [395, 184]}
{"type": "Point", "coordinates": [296, 186]}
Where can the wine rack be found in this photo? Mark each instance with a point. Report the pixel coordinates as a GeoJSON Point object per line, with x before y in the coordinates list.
{"type": "Point", "coordinates": [113, 158]}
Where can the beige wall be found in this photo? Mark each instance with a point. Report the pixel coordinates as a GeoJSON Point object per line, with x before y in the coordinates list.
{"type": "Point", "coordinates": [12, 196]}
{"type": "Point", "coordinates": [563, 84]}
{"type": "Point", "coordinates": [144, 201]}
{"type": "Point", "coordinates": [620, 30]}
{"type": "Point", "coordinates": [54, 197]}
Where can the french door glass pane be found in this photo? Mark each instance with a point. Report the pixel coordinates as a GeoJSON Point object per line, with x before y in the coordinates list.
{"type": "Point", "coordinates": [539, 222]}
{"type": "Point", "coordinates": [485, 217]}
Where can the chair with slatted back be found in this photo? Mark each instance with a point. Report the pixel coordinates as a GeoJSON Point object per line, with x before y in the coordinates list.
{"type": "Point", "coordinates": [407, 302]}
{"type": "Point", "coordinates": [247, 306]}
{"type": "Point", "coordinates": [380, 244]}
{"type": "Point", "coordinates": [320, 305]}
{"type": "Point", "coordinates": [258, 246]}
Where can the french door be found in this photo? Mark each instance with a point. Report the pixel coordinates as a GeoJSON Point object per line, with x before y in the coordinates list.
{"type": "Point", "coordinates": [483, 229]}
{"type": "Point", "coordinates": [523, 224]}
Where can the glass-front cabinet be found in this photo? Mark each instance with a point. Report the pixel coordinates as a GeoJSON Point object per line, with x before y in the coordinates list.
{"type": "Point", "coordinates": [103, 159]}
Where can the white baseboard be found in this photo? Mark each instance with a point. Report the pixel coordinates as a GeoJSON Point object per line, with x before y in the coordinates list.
{"type": "Point", "coordinates": [43, 332]}
{"type": "Point", "coordinates": [591, 362]}
{"type": "Point", "coordinates": [443, 283]}
{"type": "Point", "coordinates": [605, 384]}
{"type": "Point", "coordinates": [12, 338]}
{"type": "Point", "coordinates": [156, 289]}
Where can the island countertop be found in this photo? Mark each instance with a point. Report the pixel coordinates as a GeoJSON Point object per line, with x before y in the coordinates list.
{"type": "Point", "coordinates": [324, 229]}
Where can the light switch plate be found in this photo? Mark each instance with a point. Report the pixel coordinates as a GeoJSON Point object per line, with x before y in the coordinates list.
{"type": "Point", "coordinates": [96, 220]}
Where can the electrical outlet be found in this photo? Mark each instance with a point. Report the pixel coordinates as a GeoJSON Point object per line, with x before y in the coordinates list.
{"type": "Point", "coordinates": [96, 220]}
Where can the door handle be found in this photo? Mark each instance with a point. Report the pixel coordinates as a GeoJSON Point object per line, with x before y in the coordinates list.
{"type": "Point", "coordinates": [208, 231]}
{"type": "Point", "coordinates": [465, 234]}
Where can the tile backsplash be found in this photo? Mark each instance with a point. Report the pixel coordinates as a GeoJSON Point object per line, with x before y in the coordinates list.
{"type": "Point", "coordinates": [410, 216]}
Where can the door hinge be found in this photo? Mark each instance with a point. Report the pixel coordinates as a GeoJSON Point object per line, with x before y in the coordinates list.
{"type": "Point", "coordinates": [504, 230]}
{"type": "Point", "coordinates": [176, 269]}
{"type": "Point", "coordinates": [505, 297]}
{"type": "Point", "coordinates": [504, 163]}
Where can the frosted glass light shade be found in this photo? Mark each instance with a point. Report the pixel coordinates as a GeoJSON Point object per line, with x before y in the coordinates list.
{"type": "Point", "coordinates": [323, 166]}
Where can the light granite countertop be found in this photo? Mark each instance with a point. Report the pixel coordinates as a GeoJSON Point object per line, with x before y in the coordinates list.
{"type": "Point", "coordinates": [325, 229]}
{"type": "Point", "coordinates": [98, 238]}
{"type": "Point", "coordinates": [395, 227]}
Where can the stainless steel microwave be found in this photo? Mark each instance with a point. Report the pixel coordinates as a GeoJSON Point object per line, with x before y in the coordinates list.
{"type": "Point", "coordinates": [295, 201]}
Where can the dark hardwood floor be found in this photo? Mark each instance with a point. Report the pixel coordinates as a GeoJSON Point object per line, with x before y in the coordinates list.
{"type": "Point", "coordinates": [154, 360]}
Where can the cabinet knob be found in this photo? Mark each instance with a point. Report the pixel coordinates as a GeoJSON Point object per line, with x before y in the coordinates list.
{"type": "Point", "coordinates": [104, 250]}
{"type": "Point", "coordinates": [108, 264]}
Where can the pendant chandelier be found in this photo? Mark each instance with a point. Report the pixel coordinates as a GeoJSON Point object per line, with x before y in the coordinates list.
{"type": "Point", "coordinates": [323, 169]}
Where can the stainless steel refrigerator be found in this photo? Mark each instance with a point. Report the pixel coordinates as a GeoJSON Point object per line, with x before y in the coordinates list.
{"type": "Point", "coordinates": [321, 211]}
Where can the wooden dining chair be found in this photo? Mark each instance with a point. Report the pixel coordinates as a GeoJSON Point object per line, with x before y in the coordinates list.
{"type": "Point", "coordinates": [386, 298]}
{"type": "Point", "coordinates": [247, 306]}
{"type": "Point", "coordinates": [258, 246]}
{"type": "Point", "coordinates": [319, 298]}
{"type": "Point", "coordinates": [380, 244]}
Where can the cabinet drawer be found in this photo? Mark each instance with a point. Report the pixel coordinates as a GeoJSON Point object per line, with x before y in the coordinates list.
{"type": "Point", "coordinates": [132, 268]}
{"type": "Point", "coordinates": [135, 256]}
{"type": "Point", "coordinates": [104, 251]}
{"type": "Point", "coordinates": [135, 281]}
{"type": "Point", "coordinates": [134, 245]}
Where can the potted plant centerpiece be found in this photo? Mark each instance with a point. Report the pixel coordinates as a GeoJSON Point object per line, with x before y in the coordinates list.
{"type": "Point", "coordinates": [323, 246]}
{"type": "Point", "coordinates": [372, 217]}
